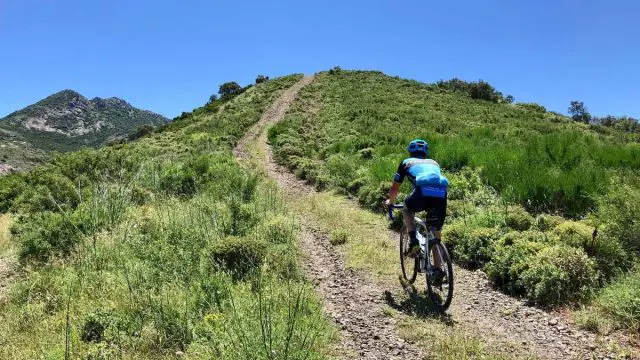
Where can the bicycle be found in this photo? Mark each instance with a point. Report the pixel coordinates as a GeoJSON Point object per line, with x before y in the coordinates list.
{"type": "Point", "coordinates": [438, 283]}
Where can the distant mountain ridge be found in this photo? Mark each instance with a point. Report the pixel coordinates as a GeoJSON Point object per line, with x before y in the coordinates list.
{"type": "Point", "coordinates": [67, 121]}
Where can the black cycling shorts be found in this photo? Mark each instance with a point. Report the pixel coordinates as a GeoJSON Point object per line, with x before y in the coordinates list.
{"type": "Point", "coordinates": [436, 208]}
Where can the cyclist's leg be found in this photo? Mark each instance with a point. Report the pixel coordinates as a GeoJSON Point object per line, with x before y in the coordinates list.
{"type": "Point", "coordinates": [435, 220]}
{"type": "Point", "coordinates": [412, 204]}
{"type": "Point", "coordinates": [409, 220]}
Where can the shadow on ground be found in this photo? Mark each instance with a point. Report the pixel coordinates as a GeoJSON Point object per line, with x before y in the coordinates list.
{"type": "Point", "coordinates": [417, 304]}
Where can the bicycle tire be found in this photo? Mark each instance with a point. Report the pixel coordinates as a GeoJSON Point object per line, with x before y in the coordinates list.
{"type": "Point", "coordinates": [405, 260]}
{"type": "Point", "coordinates": [443, 306]}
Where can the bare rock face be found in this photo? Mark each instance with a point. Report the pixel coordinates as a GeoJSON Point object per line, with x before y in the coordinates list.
{"type": "Point", "coordinates": [6, 169]}
{"type": "Point", "coordinates": [67, 121]}
{"type": "Point", "coordinates": [71, 114]}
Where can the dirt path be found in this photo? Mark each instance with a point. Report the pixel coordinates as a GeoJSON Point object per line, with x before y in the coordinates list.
{"type": "Point", "coordinates": [356, 303]}
{"type": "Point", "coordinates": [507, 320]}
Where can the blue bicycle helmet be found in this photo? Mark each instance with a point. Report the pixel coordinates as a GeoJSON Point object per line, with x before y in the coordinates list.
{"type": "Point", "coordinates": [418, 146]}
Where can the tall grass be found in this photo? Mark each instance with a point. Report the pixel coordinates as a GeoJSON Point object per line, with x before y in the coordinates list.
{"type": "Point", "coordinates": [159, 248]}
{"type": "Point", "coordinates": [510, 167]}
{"type": "Point", "coordinates": [5, 223]}
{"type": "Point", "coordinates": [541, 160]}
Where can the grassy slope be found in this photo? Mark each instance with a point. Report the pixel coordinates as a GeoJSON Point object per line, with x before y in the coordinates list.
{"type": "Point", "coordinates": [159, 251]}
{"type": "Point", "coordinates": [540, 159]}
{"type": "Point", "coordinates": [369, 248]}
{"type": "Point", "coordinates": [348, 132]}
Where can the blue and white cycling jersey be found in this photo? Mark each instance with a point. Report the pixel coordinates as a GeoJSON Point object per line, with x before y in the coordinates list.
{"type": "Point", "coordinates": [423, 174]}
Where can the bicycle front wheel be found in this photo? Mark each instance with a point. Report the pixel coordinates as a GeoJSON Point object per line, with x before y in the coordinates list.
{"type": "Point", "coordinates": [409, 264]}
{"type": "Point", "coordinates": [440, 279]}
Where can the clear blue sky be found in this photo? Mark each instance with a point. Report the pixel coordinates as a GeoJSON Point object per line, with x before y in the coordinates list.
{"type": "Point", "coordinates": [169, 56]}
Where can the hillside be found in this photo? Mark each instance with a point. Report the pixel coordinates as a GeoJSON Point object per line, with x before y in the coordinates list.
{"type": "Point", "coordinates": [191, 242]}
{"type": "Point", "coordinates": [546, 206]}
{"type": "Point", "coordinates": [67, 121]}
{"type": "Point", "coordinates": [16, 153]}
{"type": "Point", "coordinates": [158, 248]}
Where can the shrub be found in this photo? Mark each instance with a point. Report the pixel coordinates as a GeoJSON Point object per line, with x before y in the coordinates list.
{"type": "Point", "coordinates": [471, 247]}
{"type": "Point", "coordinates": [11, 186]}
{"type": "Point", "coordinates": [620, 301]}
{"type": "Point", "coordinates": [279, 229]}
{"type": "Point", "coordinates": [518, 218]}
{"type": "Point", "coordinates": [141, 131]}
{"type": "Point", "coordinates": [511, 257]}
{"type": "Point", "coordinates": [373, 195]}
{"type": "Point", "coordinates": [44, 234]}
{"type": "Point", "coordinates": [533, 107]}
{"type": "Point", "coordinates": [574, 233]}
{"type": "Point", "coordinates": [339, 237]}
{"type": "Point", "coordinates": [178, 180]}
{"type": "Point", "coordinates": [140, 195]}
{"type": "Point", "coordinates": [242, 216]}
{"type": "Point", "coordinates": [97, 323]}
{"type": "Point", "coordinates": [261, 79]}
{"type": "Point", "coordinates": [610, 257]}
{"type": "Point", "coordinates": [229, 90]}
{"type": "Point", "coordinates": [457, 208]}
{"type": "Point", "coordinates": [335, 70]}
{"type": "Point", "coordinates": [619, 212]}
{"type": "Point", "coordinates": [238, 255]}
{"type": "Point", "coordinates": [366, 153]}
{"type": "Point", "coordinates": [608, 253]}
{"type": "Point", "coordinates": [47, 191]}
{"type": "Point", "coordinates": [546, 222]}
{"type": "Point", "coordinates": [559, 274]}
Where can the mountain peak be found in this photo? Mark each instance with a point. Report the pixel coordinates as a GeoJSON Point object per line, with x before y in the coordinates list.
{"type": "Point", "coordinates": [65, 95]}
{"type": "Point", "coordinates": [67, 120]}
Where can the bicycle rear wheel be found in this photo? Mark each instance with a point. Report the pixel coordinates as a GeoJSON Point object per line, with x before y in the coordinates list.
{"type": "Point", "coordinates": [440, 289]}
{"type": "Point", "coordinates": [409, 264]}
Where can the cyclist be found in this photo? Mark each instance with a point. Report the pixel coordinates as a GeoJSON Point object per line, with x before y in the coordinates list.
{"type": "Point", "coordinates": [429, 192]}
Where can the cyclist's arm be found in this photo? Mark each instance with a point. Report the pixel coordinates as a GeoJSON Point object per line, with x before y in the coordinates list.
{"type": "Point", "coordinates": [393, 193]}
{"type": "Point", "coordinates": [397, 181]}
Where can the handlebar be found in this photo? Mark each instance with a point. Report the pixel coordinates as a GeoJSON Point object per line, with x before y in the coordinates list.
{"type": "Point", "coordinates": [390, 210]}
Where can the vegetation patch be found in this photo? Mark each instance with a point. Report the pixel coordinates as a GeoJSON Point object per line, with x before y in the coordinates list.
{"type": "Point", "coordinates": [160, 246]}
{"type": "Point", "coordinates": [546, 204]}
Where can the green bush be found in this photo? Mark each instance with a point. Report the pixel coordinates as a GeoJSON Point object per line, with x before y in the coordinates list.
{"type": "Point", "coordinates": [458, 208]}
{"type": "Point", "coordinates": [518, 218]}
{"type": "Point", "coordinates": [621, 301]}
{"type": "Point", "coordinates": [471, 247]}
{"type": "Point", "coordinates": [559, 274]}
{"type": "Point", "coordinates": [619, 212]}
{"type": "Point", "coordinates": [607, 252]}
{"type": "Point", "coordinates": [366, 153]}
{"type": "Point", "coordinates": [573, 233]}
{"type": "Point", "coordinates": [511, 257]}
{"type": "Point", "coordinates": [545, 222]}
{"type": "Point", "coordinates": [279, 229]}
{"type": "Point", "coordinates": [178, 180]}
{"type": "Point", "coordinates": [238, 255]}
{"type": "Point", "coordinates": [48, 190]}
{"type": "Point", "coordinates": [11, 186]}
{"type": "Point", "coordinates": [44, 234]}
{"type": "Point", "coordinates": [101, 325]}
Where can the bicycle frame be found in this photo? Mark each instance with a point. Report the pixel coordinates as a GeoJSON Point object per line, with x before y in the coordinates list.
{"type": "Point", "coordinates": [424, 264]}
{"type": "Point", "coordinates": [425, 236]}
